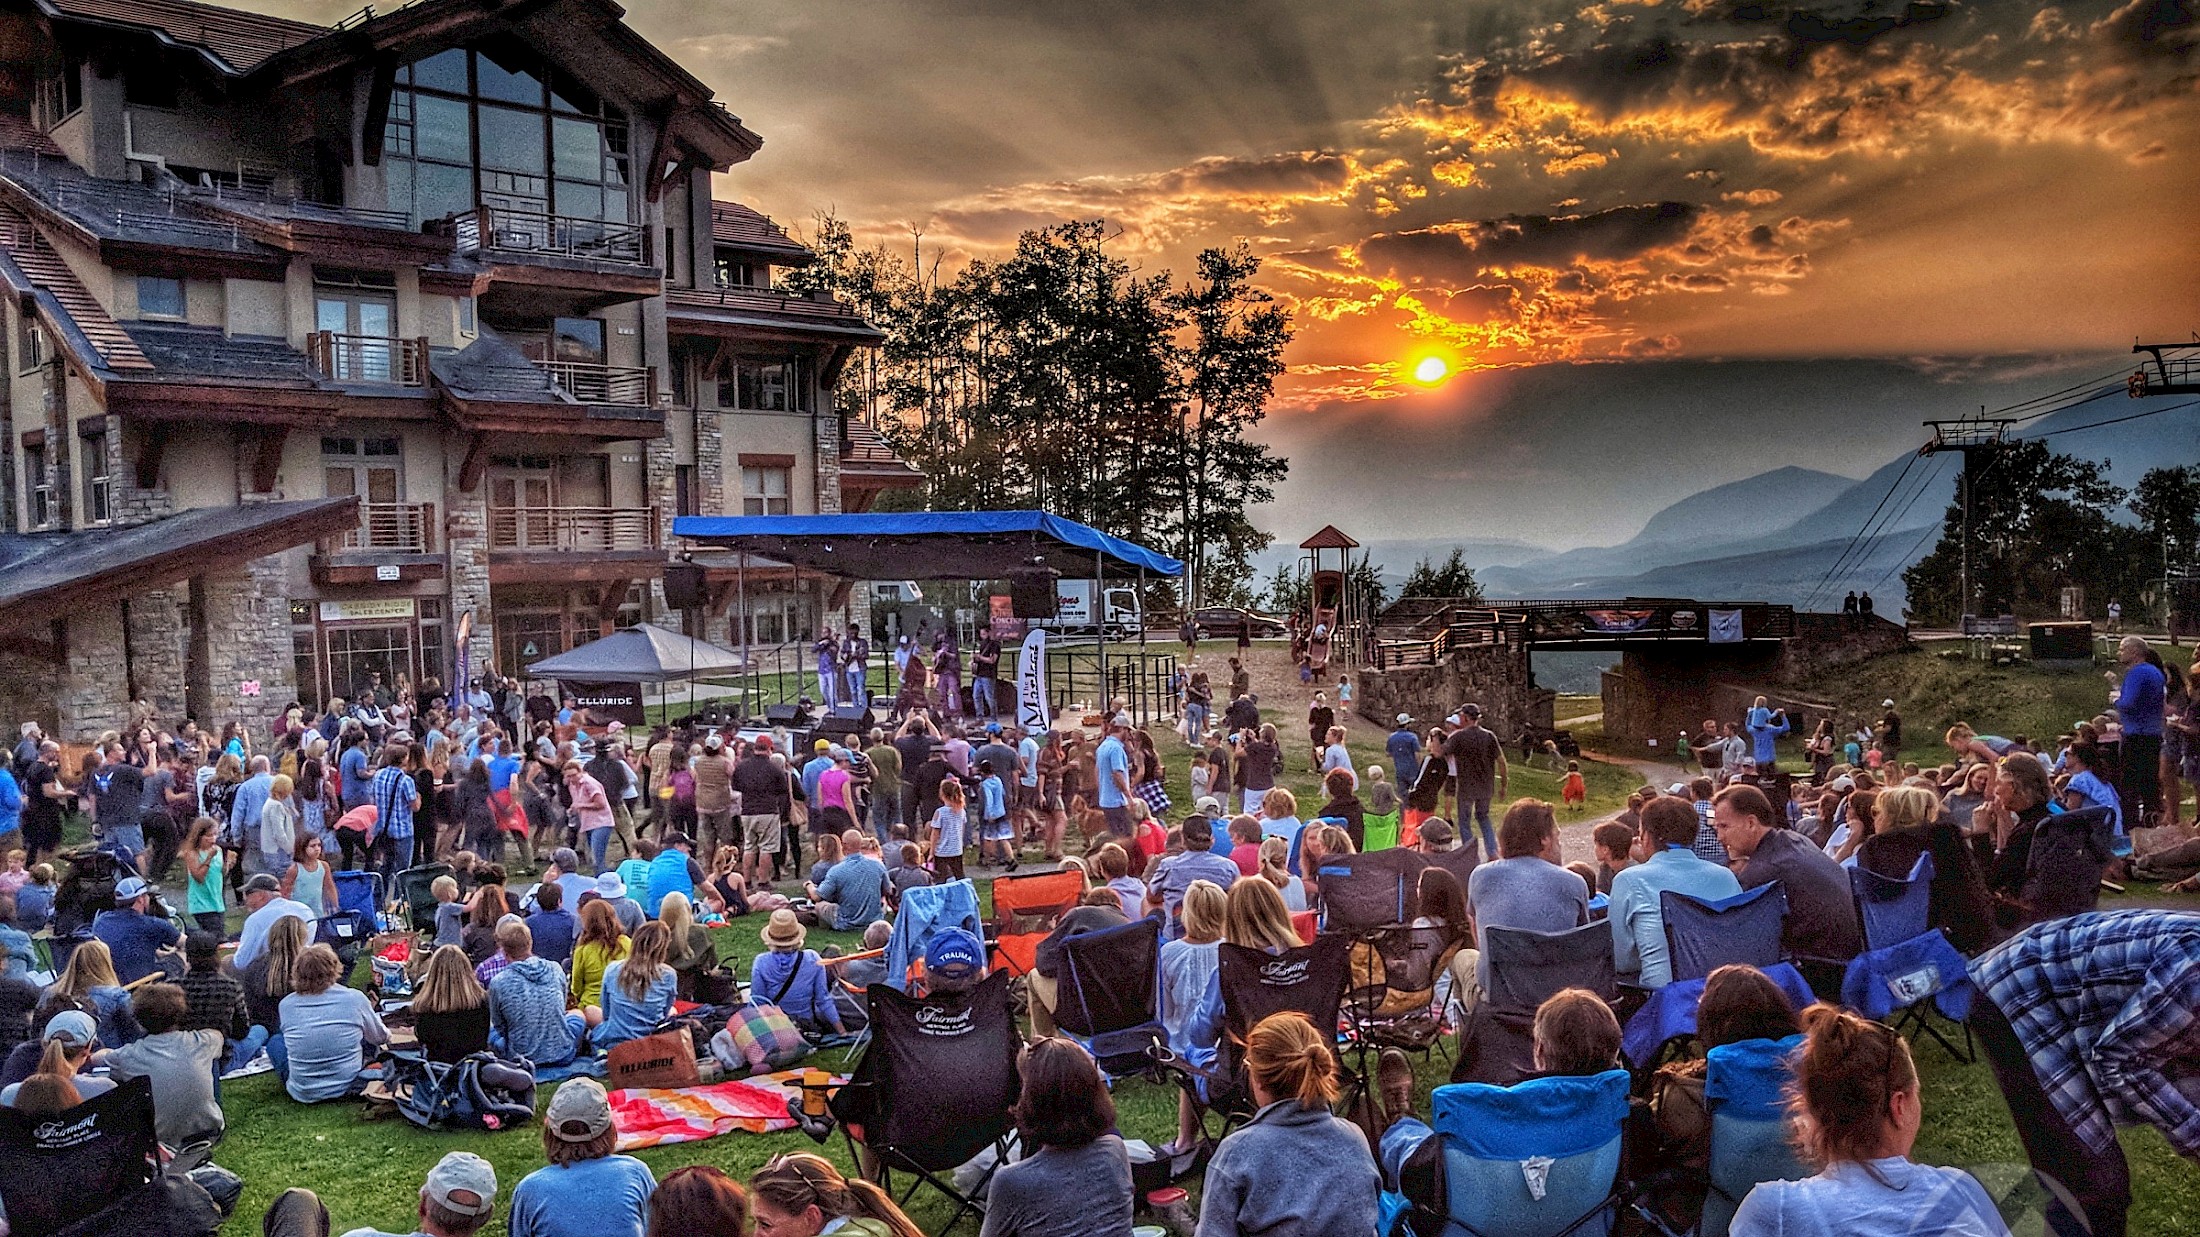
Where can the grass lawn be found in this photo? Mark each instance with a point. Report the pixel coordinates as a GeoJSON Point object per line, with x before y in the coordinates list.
{"type": "Point", "coordinates": [369, 1173]}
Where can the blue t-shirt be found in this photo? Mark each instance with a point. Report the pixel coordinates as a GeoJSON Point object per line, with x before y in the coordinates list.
{"type": "Point", "coordinates": [1404, 750]}
{"type": "Point", "coordinates": [857, 886]}
{"type": "Point", "coordinates": [992, 799]}
{"type": "Point", "coordinates": [554, 932]}
{"type": "Point", "coordinates": [2139, 701]}
{"type": "Point", "coordinates": [1107, 762]}
{"type": "Point", "coordinates": [133, 938]}
{"type": "Point", "coordinates": [501, 772]}
{"type": "Point", "coordinates": [588, 1198]}
{"type": "Point", "coordinates": [626, 1018]}
{"type": "Point", "coordinates": [352, 770]}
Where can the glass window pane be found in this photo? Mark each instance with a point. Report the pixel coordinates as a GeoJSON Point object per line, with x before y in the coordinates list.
{"type": "Point", "coordinates": [569, 95]}
{"type": "Point", "coordinates": [377, 318]}
{"type": "Point", "coordinates": [446, 70]}
{"type": "Point", "coordinates": [511, 140]}
{"type": "Point", "coordinates": [582, 201]}
{"type": "Point", "coordinates": [159, 298]}
{"type": "Point", "coordinates": [440, 131]}
{"type": "Point", "coordinates": [580, 339]}
{"type": "Point", "coordinates": [332, 315]}
{"type": "Point", "coordinates": [444, 190]}
{"type": "Point", "coordinates": [515, 81]}
{"type": "Point", "coordinates": [579, 146]}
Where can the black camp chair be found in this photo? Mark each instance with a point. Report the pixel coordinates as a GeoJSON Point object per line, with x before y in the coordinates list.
{"type": "Point", "coordinates": [417, 887]}
{"type": "Point", "coordinates": [1460, 862]}
{"type": "Point", "coordinates": [935, 1087]}
{"type": "Point", "coordinates": [1110, 995]}
{"type": "Point", "coordinates": [1391, 1000]}
{"type": "Point", "coordinates": [94, 1171]}
{"type": "Point", "coordinates": [1309, 980]}
{"type": "Point", "coordinates": [1744, 930]}
{"type": "Point", "coordinates": [2070, 850]}
{"type": "Point", "coordinates": [1363, 892]}
{"type": "Point", "coordinates": [1497, 1044]}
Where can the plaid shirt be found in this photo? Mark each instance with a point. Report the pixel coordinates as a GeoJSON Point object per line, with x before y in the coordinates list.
{"type": "Point", "coordinates": [1707, 845]}
{"type": "Point", "coordinates": [2101, 1002]}
{"type": "Point", "coordinates": [393, 791]}
{"type": "Point", "coordinates": [214, 1001]}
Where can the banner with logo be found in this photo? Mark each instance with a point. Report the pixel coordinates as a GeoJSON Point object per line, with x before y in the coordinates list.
{"type": "Point", "coordinates": [1032, 711]}
{"type": "Point", "coordinates": [607, 702]}
{"type": "Point", "coordinates": [461, 661]}
{"type": "Point", "coordinates": [1726, 627]}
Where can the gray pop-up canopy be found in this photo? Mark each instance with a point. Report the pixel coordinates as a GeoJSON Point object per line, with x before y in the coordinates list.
{"type": "Point", "coordinates": [640, 654]}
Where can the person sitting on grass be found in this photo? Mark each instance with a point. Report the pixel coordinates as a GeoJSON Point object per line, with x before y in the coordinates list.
{"type": "Point", "coordinates": [527, 1015]}
{"type": "Point", "coordinates": [585, 1190]}
{"type": "Point", "coordinates": [1296, 1167]}
{"type": "Point", "coordinates": [134, 938]}
{"type": "Point", "coordinates": [699, 1201]}
{"type": "Point", "coordinates": [637, 990]}
{"type": "Point", "coordinates": [853, 890]}
{"type": "Point", "coordinates": [457, 1200]}
{"type": "Point", "coordinates": [1856, 1109]}
{"type": "Point", "coordinates": [328, 1031]}
{"type": "Point", "coordinates": [1075, 1176]}
{"type": "Point", "coordinates": [451, 1010]}
{"type": "Point", "coordinates": [600, 945]}
{"type": "Point", "coordinates": [552, 927]}
{"type": "Point", "coordinates": [800, 1193]}
{"type": "Point", "coordinates": [180, 1063]}
{"type": "Point", "coordinates": [692, 950]}
{"type": "Point", "coordinates": [791, 977]}
{"type": "Point", "coordinates": [90, 977]}
{"type": "Point", "coordinates": [65, 1047]}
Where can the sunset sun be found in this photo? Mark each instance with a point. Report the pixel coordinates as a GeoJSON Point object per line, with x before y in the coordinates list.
{"type": "Point", "coordinates": [1430, 370]}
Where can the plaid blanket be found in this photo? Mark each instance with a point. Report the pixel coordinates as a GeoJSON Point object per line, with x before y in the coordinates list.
{"type": "Point", "coordinates": [651, 1117]}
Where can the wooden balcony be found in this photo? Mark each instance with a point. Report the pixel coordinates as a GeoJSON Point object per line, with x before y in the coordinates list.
{"type": "Point", "coordinates": [391, 542]}
{"type": "Point", "coordinates": [405, 528]}
{"type": "Point", "coordinates": [582, 530]}
{"type": "Point", "coordinates": [624, 386]}
{"type": "Point", "coordinates": [369, 358]}
{"type": "Point", "coordinates": [560, 236]}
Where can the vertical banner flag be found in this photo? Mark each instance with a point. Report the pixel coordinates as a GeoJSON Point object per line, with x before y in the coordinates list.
{"type": "Point", "coordinates": [1032, 712]}
{"type": "Point", "coordinates": [457, 686]}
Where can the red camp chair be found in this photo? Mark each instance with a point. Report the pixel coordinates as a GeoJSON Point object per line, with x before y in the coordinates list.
{"type": "Point", "coordinates": [1306, 924]}
{"type": "Point", "coordinates": [1025, 910]}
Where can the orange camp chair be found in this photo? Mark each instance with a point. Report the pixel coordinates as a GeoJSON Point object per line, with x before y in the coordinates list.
{"type": "Point", "coordinates": [1025, 910]}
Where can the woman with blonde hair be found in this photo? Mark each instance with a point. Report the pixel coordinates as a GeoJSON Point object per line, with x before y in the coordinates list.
{"type": "Point", "coordinates": [278, 829]}
{"type": "Point", "coordinates": [1296, 1167]}
{"type": "Point", "coordinates": [1253, 917]}
{"type": "Point", "coordinates": [1188, 966]}
{"type": "Point", "coordinates": [1275, 856]}
{"type": "Point", "coordinates": [1968, 744]}
{"type": "Point", "coordinates": [637, 989]}
{"type": "Point", "coordinates": [1909, 823]}
{"type": "Point", "coordinates": [798, 1194]}
{"type": "Point", "coordinates": [1856, 1110]}
{"type": "Point", "coordinates": [692, 951]}
{"type": "Point", "coordinates": [451, 1009]}
{"type": "Point", "coordinates": [1279, 816]}
{"type": "Point", "coordinates": [90, 977]}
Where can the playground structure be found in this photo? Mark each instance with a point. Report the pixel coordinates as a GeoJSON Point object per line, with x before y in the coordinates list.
{"type": "Point", "coordinates": [1333, 616]}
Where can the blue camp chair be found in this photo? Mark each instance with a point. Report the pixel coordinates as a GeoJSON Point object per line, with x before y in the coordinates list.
{"type": "Point", "coordinates": [925, 910]}
{"type": "Point", "coordinates": [1701, 937]}
{"type": "Point", "coordinates": [1539, 1158]}
{"type": "Point", "coordinates": [1909, 971]}
{"type": "Point", "coordinates": [1744, 1085]}
{"type": "Point", "coordinates": [358, 899]}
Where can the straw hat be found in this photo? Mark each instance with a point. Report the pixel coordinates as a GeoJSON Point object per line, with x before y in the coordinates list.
{"type": "Point", "coordinates": [785, 931]}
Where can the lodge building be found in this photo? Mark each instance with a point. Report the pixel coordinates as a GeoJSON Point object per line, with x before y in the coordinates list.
{"type": "Point", "coordinates": [326, 343]}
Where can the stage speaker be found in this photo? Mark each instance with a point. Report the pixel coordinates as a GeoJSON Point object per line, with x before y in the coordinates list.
{"type": "Point", "coordinates": [1030, 599]}
{"type": "Point", "coordinates": [793, 717]}
{"type": "Point", "coordinates": [2062, 641]}
{"type": "Point", "coordinates": [684, 588]}
{"type": "Point", "coordinates": [858, 714]}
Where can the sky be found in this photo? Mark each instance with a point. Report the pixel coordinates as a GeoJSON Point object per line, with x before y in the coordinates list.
{"type": "Point", "coordinates": [1787, 232]}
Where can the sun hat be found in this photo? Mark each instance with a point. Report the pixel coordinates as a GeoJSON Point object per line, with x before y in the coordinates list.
{"type": "Point", "coordinates": [784, 931]}
{"type": "Point", "coordinates": [609, 887]}
{"type": "Point", "coordinates": [462, 1183]}
{"type": "Point", "coordinates": [579, 1112]}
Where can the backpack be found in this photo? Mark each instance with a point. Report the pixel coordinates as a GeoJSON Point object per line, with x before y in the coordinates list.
{"type": "Point", "coordinates": [482, 1091]}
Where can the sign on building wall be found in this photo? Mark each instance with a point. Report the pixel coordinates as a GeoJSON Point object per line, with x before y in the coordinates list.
{"type": "Point", "coordinates": [375, 610]}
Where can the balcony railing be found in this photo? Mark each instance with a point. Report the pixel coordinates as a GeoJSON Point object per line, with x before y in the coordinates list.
{"type": "Point", "coordinates": [633, 386]}
{"type": "Point", "coordinates": [403, 528]}
{"type": "Point", "coordinates": [369, 358]}
{"type": "Point", "coordinates": [573, 528]}
{"type": "Point", "coordinates": [526, 231]}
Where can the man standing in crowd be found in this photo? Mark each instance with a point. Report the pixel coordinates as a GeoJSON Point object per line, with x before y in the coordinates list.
{"type": "Point", "coordinates": [1478, 774]}
{"type": "Point", "coordinates": [985, 674]}
{"type": "Point", "coordinates": [856, 666]}
{"type": "Point", "coordinates": [2139, 702]}
{"type": "Point", "coordinates": [1404, 750]}
{"type": "Point", "coordinates": [1112, 767]}
{"type": "Point", "coordinates": [713, 772]}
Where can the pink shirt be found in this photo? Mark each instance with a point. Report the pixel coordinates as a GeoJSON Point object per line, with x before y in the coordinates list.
{"type": "Point", "coordinates": [832, 789]}
{"type": "Point", "coordinates": [590, 804]}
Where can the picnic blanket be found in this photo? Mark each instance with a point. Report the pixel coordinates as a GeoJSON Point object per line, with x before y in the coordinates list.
{"type": "Point", "coordinates": [656, 1116]}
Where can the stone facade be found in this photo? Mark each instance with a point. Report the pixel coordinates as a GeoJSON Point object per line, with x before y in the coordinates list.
{"type": "Point", "coordinates": [466, 540]}
{"type": "Point", "coordinates": [1658, 691]}
{"type": "Point", "coordinates": [242, 622]}
{"type": "Point", "coordinates": [1494, 676]}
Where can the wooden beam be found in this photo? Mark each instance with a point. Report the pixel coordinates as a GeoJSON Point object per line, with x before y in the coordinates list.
{"type": "Point", "coordinates": [654, 178]}
{"type": "Point", "coordinates": [375, 124]}
{"type": "Point", "coordinates": [53, 651]}
{"type": "Point", "coordinates": [150, 454]}
{"type": "Point", "coordinates": [267, 457]}
{"type": "Point", "coordinates": [476, 463]}
{"type": "Point", "coordinates": [613, 592]}
{"type": "Point", "coordinates": [721, 596]}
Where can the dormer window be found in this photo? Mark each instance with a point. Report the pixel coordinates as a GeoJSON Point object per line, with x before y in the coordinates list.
{"type": "Point", "coordinates": [160, 298]}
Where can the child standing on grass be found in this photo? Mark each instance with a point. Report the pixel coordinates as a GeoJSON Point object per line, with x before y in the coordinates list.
{"type": "Point", "coordinates": [949, 824]}
{"type": "Point", "coordinates": [1573, 791]}
{"type": "Point", "coordinates": [996, 833]}
{"type": "Point", "coordinates": [1203, 778]}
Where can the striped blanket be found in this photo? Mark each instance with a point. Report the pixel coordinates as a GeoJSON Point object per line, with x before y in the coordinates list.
{"type": "Point", "coordinates": [651, 1116]}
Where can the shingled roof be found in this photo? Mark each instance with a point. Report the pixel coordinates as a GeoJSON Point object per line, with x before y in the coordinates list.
{"type": "Point", "coordinates": [236, 40]}
{"type": "Point", "coordinates": [36, 267]}
{"type": "Point", "coordinates": [734, 224]}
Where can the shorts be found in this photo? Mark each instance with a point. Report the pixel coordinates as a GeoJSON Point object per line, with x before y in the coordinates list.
{"type": "Point", "coordinates": [1049, 799]}
{"type": "Point", "coordinates": [1119, 820]}
{"type": "Point", "coordinates": [761, 835]}
{"type": "Point", "coordinates": [998, 830]}
{"type": "Point", "coordinates": [1022, 798]}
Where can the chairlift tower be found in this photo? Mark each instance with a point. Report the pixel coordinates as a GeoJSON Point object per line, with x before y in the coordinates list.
{"type": "Point", "coordinates": [2172, 369]}
{"type": "Point", "coordinates": [1979, 440]}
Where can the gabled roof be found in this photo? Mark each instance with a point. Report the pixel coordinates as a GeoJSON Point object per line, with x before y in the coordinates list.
{"type": "Point", "coordinates": [736, 225]}
{"type": "Point", "coordinates": [769, 309]}
{"type": "Point", "coordinates": [863, 449]}
{"type": "Point", "coordinates": [234, 41]}
{"type": "Point", "coordinates": [1329, 538]}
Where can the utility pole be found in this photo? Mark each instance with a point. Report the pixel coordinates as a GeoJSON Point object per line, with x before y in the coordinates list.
{"type": "Point", "coordinates": [1977, 439]}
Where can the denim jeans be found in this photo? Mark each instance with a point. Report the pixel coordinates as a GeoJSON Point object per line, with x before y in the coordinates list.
{"type": "Point", "coordinates": [278, 1055]}
{"type": "Point", "coordinates": [249, 1047]}
{"type": "Point", "coordinates": [599, 843]}
{"type": "Point", "coordinates": [984, 697]}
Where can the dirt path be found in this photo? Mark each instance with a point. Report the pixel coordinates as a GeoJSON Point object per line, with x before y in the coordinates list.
{"type": "Point", "coordinates": [1574, 837]}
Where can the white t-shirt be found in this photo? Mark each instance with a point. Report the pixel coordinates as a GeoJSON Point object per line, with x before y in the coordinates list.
{"type": "Point", "coordinates": [1887, 1198]}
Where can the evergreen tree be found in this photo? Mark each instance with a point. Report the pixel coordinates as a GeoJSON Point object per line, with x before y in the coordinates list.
{"type": "Point", "coordinates": [1451, 578]}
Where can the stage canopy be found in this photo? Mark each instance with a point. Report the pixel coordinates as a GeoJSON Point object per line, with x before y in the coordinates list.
{"type": "Point", "coordinates": [931, 545]}
{"type": "Point", "coordinates": [640, 654]}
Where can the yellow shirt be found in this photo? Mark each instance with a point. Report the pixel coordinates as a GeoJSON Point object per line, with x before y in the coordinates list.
{"type": "Point", "coordinates": [590, 960]}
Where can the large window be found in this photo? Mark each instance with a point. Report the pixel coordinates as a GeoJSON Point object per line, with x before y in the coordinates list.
{"type": "Point", "coordinates": [762, 384]}
{"type": "Point", "coordinates": [546, 143]}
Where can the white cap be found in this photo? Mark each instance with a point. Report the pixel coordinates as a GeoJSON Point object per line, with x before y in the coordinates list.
{"type": "Point", "coordinates": [1886, 704]}
{"type": "Point", "coordinates": [1405, 719]}
{"type": "Point", "coordinates": [1123, 720]}
{"type": "Point", "coordinates": [1844, 782]}
{"type": "Point", "coordinates": [462, 1183]}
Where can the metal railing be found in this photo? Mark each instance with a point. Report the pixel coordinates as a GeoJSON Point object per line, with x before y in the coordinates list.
{"type": "Point", "coordinates": [263, 195]}
{"type": "Point", "coordinates": [369, 358]}
{"type": "Point", "coordinates": [407, 528]}
{"type": "Point", "coordinates": [573, 528]}
{"type": "Point", "coordinates": [633, 386]}
{"type": "Point", "coordinates": [526, 231]}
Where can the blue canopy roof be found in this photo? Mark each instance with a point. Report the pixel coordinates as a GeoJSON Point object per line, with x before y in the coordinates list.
{"type": "Point", "coordinates": [930, 545]}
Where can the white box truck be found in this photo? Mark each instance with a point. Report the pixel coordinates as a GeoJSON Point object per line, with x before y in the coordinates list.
{"type": "Point", "coordinates": [1074, 610]}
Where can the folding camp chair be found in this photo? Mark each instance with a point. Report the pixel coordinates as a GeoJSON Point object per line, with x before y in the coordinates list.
{"type": "Point", "coordinates": [1364, 892]}
{"type": "Point", "coordinates": [1744, 1087]}
{"type": "Point", "coordinates": [1701, 937]}
{"type": "Point", "coordinates": [417, 887]}
{"type": "Point", "coordinates": [1025, 910]}
{"type": "Point", "coordinates": [1540, 1158]}
{"type": "Point", "coordinates": [62, 1171]}
{"type": "Point", "coordinates": [935, 1088]}
{"type": "Point", "coordinates": [2070, 850]}
{"type": "Point", "coordinates": [1908, 971]}
{"type": "Point", "coordinates": [1460, 862]}
{"type": "Point", "coordinates": [1109, 995]}
{"type": "Point", "coordinates": [358, 901]}
{"type": "Point", "coordinates": [1380, 832]}
{"type": "Point", "coordinates": [1391, 1000]}
{"type": "Point", "coordinates": [1497, 1043]}
{"type": "Point", "coordinates": [1668, 1020]}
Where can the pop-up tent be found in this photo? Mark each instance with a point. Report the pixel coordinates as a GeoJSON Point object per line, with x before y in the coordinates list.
{"type": "Point", "coordinates": [931, 545]}
{"type": "Point", "coordinates": [640, 654]}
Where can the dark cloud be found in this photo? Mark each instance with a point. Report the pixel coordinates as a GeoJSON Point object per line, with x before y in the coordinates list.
{"type": "Point", "coordinates": [1530, 240]}
{"type": "Point", "coordinates": [1290, 172]}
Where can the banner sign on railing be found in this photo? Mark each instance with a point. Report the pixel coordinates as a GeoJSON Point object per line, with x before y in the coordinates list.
{"type": "Point", "coordinates": [1033, 713]}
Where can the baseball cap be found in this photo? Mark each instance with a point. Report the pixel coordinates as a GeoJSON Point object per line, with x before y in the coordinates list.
{"type": "Point", "coordinates": [1122, 719]}
{"type": "Point", "coordinates": [462, 1183]}
{"type": "Point", "coordinates": [578, 1112]}
{"type": "Point", "coordinates": [1844, 783]}
{"type": "Point", "coordinates": [73, 1027]}
{"type": "Point", "coordinates": [712, 741]}
{"type": "Point", "coordinates": [1436, 832]}
{"type": "Point", "coordinates": [1405, 719]}
{"type": "Point", "coordinates": [261, 883]}
{"type": "Point", "coordinates": [993, 728]}
{"type": "Point", "coordinates": [954, 953]}
{"type": "Point", "coordinates": [763, 742]}
{"type": "Point", "coordinates": [1208, 806]}
{"type": "Point", "coordinates": [837, 752]}
{"type": "Point", "coordinates": [130, 888]}
{"type": "Point", "coordinates": [1886, 704]}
